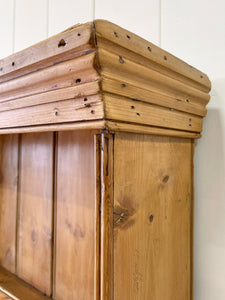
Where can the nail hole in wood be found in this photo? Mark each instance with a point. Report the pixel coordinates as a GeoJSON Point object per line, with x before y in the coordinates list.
{"type": "Point", "coordinates": [165, 57]}
{"type": "Point", "coordinates": [92, 111]}
{"type": "Point", "coordinates": [61, 43]}
{"type": "Point", "coordinates": [190, 120]}
{"type": "Point", "coordinates": [121, 60]}
{"type": "Point", "coordinates": [56, 113]}
{"type": "Point", "coordinates": [201, 76]}
{"type": "Point", "coordinates": [149, 49]}
{"type": "Point", "coordinates": [87, 105]}
{"type": "Point", "coordinates": [115, 33]}
{"type": "Point", "coordinates": [132, 107]}
{"type": "Point", "coordinates": [123, 85]}
{"type": "Point", "coordinates": [137, 114]}
{"type": "Point", "coordinates": [78, 80]}
{"type": "Point", "coordinates": [151, 218]}
{"type": "Point", "coordinates": [190, 125]}
{"type": "Point", "coordinates": [166, 178]}
{"type": "Point", "coordinates": [78, 34]}
{"type": "Point", "coordinates": [128, 36]}
{"type": "Point", "coordinates": [1, 69]}
{"type": "Point", "coordinates": [85, 99]}
{"type": "Point", "coordinates": [187, 100]}
{"type": "Point", "coordinates": [13, 63]}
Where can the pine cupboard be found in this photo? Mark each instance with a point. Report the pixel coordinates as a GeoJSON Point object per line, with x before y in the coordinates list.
{"type": "Point", "coordinates": [97, 130]}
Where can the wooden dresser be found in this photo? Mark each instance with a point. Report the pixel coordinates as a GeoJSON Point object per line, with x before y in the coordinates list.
{"type": "Point", "coordinates": [97, 129]}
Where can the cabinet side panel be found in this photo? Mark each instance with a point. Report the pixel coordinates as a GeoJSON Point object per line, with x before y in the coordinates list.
{"type": "Point", "coordinates": [75, 216]}
{"type": "Point", "coordinates": [8, 200]}
{"type": "Point", "coordinates": [35, 202]}
{"type": "Point", "coordinates": [152, 217]}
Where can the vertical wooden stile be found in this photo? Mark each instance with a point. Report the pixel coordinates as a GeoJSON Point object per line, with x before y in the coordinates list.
{"type": "Point", "coordinates": [34, 245]}
{"type": "Point", "coordinates": [17, 203]}
{"type": "Point", "coordinates": [76, 216]}
{"type": "Point", "coordinates": [107, 187]}
{"type": "Point", "coordinates": [54, 208]}
{"type": "Point", "coordinates": [97, 138]}
{"type": "Point", "coordinates": [8, 200]}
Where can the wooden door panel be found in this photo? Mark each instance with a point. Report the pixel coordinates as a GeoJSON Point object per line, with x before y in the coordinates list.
{"type": "Point", "coordinates": [152, 217]}
{"type": "Point", "coordinates": [35, 210]}
{"type": "Point", "coordinates": [8, 200]}
{"type": "Point", "coordinates": [75, 216]}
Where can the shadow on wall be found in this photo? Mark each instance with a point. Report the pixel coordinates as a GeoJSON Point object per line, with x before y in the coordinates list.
{"type": "Point", "coordinates": [210, 176]}
{"type": "Point", "coordinates": [209, 234]}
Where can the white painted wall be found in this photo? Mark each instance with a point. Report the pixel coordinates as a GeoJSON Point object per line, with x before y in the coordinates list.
{"type": "Point", "coordinates": [193, 30]}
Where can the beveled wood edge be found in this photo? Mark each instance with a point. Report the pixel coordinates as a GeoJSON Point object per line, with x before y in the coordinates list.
{"type": "Point", "coordinates": [96, 124]}
{"type": "Point", "coordinates": [143, 129]}
{"type": "Point", "coordinates": [135, 43]}
{"type": "Point", "coordinates": [103, 125]}
{"type": "Point", "coordinates": [18, 289]}
{"type": "Point", "coordinates": [7, 294]}
{"type": "Point", "coordinates": [15, 62]}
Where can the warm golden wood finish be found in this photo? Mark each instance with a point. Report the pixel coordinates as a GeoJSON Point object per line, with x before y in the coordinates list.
{"type": "Point", "coordinates": [134, 91]}
{"type": "Point", "coordinates": [123, 109]}
{"type": "Point", "coordinates": [71, 73]}
{"type": "Point", "coordinates": [152, 217]}
{"type": "Point", "coordinates": [96, 168]}
{"type": "Point", "coordinates": [17, 288]}
{"type": "Point", "coordinates": [57, 112]}
{"type": "Point", "coordinates": [34, 257]}
{"type": "Point", "coordinates": [125, 127]}
{"type": "Point", "coordinates": [8, 200]}
{"type": "Point", "coordinates": [99, 124]}
{"type": "Point", "coordinates": [73, 42]}
{"type": "Point", "coordinates": [94, 59]}
{"type": "Point", "coordinates": [82, 90]}
{"type": "Point", "coordinates": [75, 217]}
{"type": "Point", "coordinates": [159, 58]}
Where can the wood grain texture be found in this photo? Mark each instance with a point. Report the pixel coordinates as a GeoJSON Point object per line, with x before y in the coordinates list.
{"type": "Point", "coordinates": [8, 200]}
{"type": "Point", "coordinates": [152, 217]}
{"type": "Point", "coordinates": [75, 216]}
{"type": "Point", "coordinates": [118, 67]}
{"type": "Point", "coordinates": [114, 126]}
{"type": "Point", "coordinates": [133, 91]}
{"type": "Point", "coordinates": [78, 91]}
{"type": "Point", "coordinates": [106, 249]}
{"type": "Point", "coordinates": [132, 111]}
{"type": "Point", "coordinates": [55, 112]}
{"type": "Point", "coordinates": [129, 40]}
{"type": "Point", "coordinates": [98, 124]}
{"type": "Point", "coordinates": [17, 288]}
{"type": "Point", "coordinates": [98, 191]}
{"type": "Point", "coordinates": [47, 52]}
{"type": "Point", "coordinates": [98, 58]}
{"type": "Point", "coordinates": [70, 73]}
{"type": "Point", "coordinates": [144, 61]}
{"type": "Point", "coordinates": [34, 259]}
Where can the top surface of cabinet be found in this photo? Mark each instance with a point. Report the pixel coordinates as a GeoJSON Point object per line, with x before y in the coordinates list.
{"type": "Point", "coordinates": [98, 75]}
